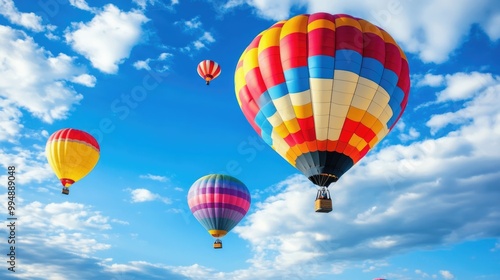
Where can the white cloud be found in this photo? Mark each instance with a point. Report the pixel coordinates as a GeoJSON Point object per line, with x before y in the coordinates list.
{"type": "Point", "coordinates": [144, 3]}
{"type": "Point", "coordinates": [31, 165]}
{"type": "Point", "coordinates": [10, 125]}
{"type": "Point", "coordinates": [54, 233]}
{"type": "Point", "coordinates": [157, 63]}
{"type": "Point", "coordinates": [79, 243]}
{"type": "Point", "coordinates": [461, 86]}
{"type": "Point", "coordinates": [491, 25]}
{"type": "Point", "coordinates": [194, 23]}
{"type": "Point", "coordinates": [57, 217]}
{"type": "Point", "coordinates": [232, 4]}
{"type": "Point", "coordinates": [34, 79]}
{"type": "Point", "coordinates": [81, 4]}
{"type": "Point", "coordinates": [142, 64]}
{"type": "Point", "coordinates": [27, 20]}
{"type": "Point", "coordinates": [411, 135]}
{"type": "Point", "coordinates": [446, 274]}
{"type": "Point", "coordinates": [431, 80]}
{"type": "Point", "coordinates": [144, 195]}
{"type": "Point", "coordinates": [204, 40]}
{"type": "Point", "coordinates": [108, 38]}
{"type": "Point", "coordinates": [478, 110]}
{"type": "Point", "coordinates": [154, 177]}
{"type": "Point", "coordinates": [195, 26]}
{"type": "Point", "coordinates": [419, 26]}
{"type": "Point", "coordinates": [85, 79]}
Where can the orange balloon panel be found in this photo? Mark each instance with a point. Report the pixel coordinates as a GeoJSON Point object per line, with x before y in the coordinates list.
{"type": "Point", "coordinates": [72, 154]}
{"type": "Point", "coordinates": [322, 90]}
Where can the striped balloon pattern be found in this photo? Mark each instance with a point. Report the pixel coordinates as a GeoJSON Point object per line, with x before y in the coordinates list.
{"type": "Point", "coordinates": [208, 70]}
{"type": "Point", "coordinates": [218, 202]}
{"type": "Point", "coordinates": [322, 90]}
{"type": "Point", "coordinates": [72, 154]}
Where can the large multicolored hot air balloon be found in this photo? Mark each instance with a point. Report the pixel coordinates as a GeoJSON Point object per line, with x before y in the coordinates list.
{"type": "Point", "coordinates": [218, 202]}
{"type": "Point", "coordinates": [208, 70]}
{"type": "Point", "coordinates": [72, 154]}
{"type": "Point", "coordinates": [322, 90]}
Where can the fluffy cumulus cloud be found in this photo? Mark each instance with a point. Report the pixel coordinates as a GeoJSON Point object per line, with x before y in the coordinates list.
{"type": "Point", "coordinates": [58, 217]}
{"type": "Point", "coordinates": [59, 239]}
{"type": "Point", "coordinates": [31, 164]}
{"type": "Point", "coordinates": [479, 90]}
{"type": "Point", "coordinates": [145, 195]}
{"type": "Point", "coordinates": [35, 80]}
{"type": "Point", "coordinates": [51, 232]}
{"type": "Point", "coordinates": [423, 194]}
{"type": "Point", "coordinates": [419, 26]}
{"type": "Point", "coordinates": [85, 79]}
{"type": "Point", "coordinates": [26, 20]}
{"type": "Point", "coordinates": [462, 86]}
{"type": "Point", "coordinates": [108, 38]}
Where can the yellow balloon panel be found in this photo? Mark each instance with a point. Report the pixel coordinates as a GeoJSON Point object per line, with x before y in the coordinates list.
{"type": "Point", "coordinates": [72, 154]}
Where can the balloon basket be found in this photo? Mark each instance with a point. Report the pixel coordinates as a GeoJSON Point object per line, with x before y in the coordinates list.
{"type": "Point", "coordinates": [218, 244]}
{"type": "Point", "coordinates": [65, 191]}
{"type": "Point", "coordinates": [323, 203]}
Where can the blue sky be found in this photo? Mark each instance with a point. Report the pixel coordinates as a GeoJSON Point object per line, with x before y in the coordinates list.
{"type": "Point", "coordinates": [422, 205]}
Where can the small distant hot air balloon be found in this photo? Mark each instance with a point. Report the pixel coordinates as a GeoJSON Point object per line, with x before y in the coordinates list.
{"type": "Point", "coordinates": [322, 90]}
{"type": "Point", "coordinates": [208, 70]}
{"type": "Point", "coordinates": [219, 203]}
{"type": "Point", "coordinates": [72, 154]}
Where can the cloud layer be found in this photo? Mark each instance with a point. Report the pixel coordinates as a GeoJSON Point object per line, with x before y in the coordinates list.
{"type": "Point", "coordinates": [419, 26]}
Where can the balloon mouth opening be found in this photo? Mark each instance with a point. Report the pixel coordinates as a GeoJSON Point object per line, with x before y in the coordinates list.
{"type": "Point", "coordinates": [217, 233]}
{"type": "Point", "coordinates": [67, 182]}
{"type": "Point", "coordinates": [323, 179]}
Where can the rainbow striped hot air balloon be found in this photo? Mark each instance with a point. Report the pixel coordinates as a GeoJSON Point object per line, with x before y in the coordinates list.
{"type": "Point", "coordinates": [72, 154]}
{"type": "Point", "coordinates": [322, 90]}
{"type": "Point", "coordinates": [208, 70]}
{"type": "Point", "coordinates": [218, 202]}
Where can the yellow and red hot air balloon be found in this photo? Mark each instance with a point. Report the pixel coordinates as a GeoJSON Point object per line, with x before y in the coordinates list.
{"type": "Point", "coordinates": [72, 154]}
{"type": "Point", "coordinates": [322, 90]}
{"type": "Point", "coordinates": [208, 70]}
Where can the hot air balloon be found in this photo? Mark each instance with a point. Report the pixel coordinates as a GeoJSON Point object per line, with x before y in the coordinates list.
{"type": "Point", "coordinates": [322, 90]}
{"type": "Point", "coordinates": [218, 202]}
{"type": "Point", "coordinates": [72, 154]}
{"type": "Point", "coordinates": [208, 70]}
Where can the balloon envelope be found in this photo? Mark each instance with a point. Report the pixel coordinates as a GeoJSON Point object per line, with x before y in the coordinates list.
{"type": "Point", "coordinates": [322, 90]}
{"type": "Point", "coordinates": [72, 154]}
{"type": "Point", "coordinates": [208, 70]}
{"type": "Point", "coordinates": [218, 202]}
